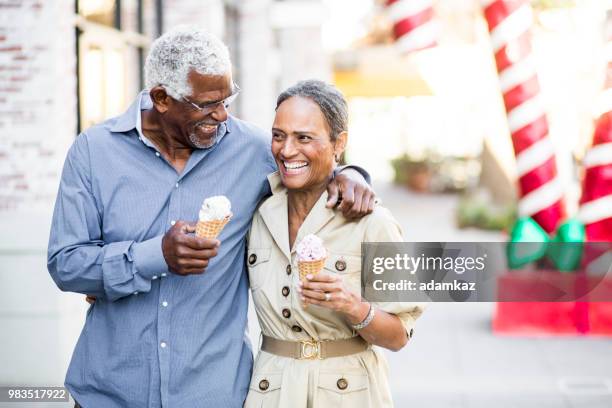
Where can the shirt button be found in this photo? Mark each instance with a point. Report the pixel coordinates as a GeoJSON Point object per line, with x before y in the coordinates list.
{"type": "Point", "coordinates": [164, 275]}
{"type": "Point", "coordinates": [285, 291]}
{"type": "Point", "coordinates": [172, 222]}
{"type": "Point", "coordinates": [288, 269]}
{"type": "Point", "coordinates": [296, 328]}
{"type": "Point", "coordinates": [176, 185]}
{"type": "Point", "coordinates": [165, 304]}
{"type": "Point", "coordinates": [264, 384]}
{"type": "Point", "coordinates": [252, 259]}
{"type": "Point", "coordinates": [162, 344]}
{"type": "Point", "coordinates": [286, 313]}
{"type": "Point", "coordinates": [135, 293]}
{"type": "Point", "coordinates": [154, 277]}
{"type": "Point", "coordinates": [157, 154]}
{"type": "Point", "coordinates": [342, 383]}
{"type": "Point", "coordinates": [340, 265]}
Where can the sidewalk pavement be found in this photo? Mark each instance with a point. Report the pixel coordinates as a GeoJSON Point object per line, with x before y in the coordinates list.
{"type": "Point", "coordinates": [455, 361]}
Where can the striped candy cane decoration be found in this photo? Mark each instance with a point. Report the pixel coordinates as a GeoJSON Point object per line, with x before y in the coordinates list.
{"type": "Point", "coordinates": [596, 202]}
{"type": "Point", "coordinates": [509, 24]}
{"type": "Point", "coordinates": [414, 28]}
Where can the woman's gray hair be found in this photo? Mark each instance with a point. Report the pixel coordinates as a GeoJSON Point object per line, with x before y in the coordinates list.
{"type": "Point", "coordinates": [176, 53]}
{"type": "Point", "coordinates": [330, 100]}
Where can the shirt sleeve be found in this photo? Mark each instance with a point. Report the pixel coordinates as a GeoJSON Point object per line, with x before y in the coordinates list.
{"type": "Point", "coordinates": [78, 259]}
{"type": "Point", "coordinates": [270, 167]}
{"type": "Point", "coordinates": [384, 228]}
{"type": "Point", "coordinates": [358, 169]}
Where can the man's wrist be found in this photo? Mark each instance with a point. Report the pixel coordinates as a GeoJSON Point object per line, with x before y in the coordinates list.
{"type": "Point", "coordinates": [352, 168]}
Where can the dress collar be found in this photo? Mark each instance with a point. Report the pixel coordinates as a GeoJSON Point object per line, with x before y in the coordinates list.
{"type": "Point", "coordinates": [275, 215]}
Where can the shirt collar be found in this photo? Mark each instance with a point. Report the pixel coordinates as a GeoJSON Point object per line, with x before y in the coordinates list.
{"type": "Point", "coordinates": [131, 118]}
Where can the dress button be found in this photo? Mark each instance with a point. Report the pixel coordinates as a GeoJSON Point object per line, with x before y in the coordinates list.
{"type": "Point", "coordinates": [286, 313]}
{"type": "Point", "coordinates": [264, 385]}
{"type": "Point", "coordinates": [342, 384]}
{"type": "Point", "coordinates": [285, 291]}
{"type": "Point", "coordinates": [296, 329]}
{"type": "Point", "coordinates": [288, 269]}
{"type": "Point", "coordinates": [340, 265]}
{"type": "Point", "coordinates": [252, 259]}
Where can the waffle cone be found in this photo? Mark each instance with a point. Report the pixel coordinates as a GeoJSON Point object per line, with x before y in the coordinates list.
{"type": "Point", "coordinates": [211, 229]}
{"type": "Point", "coordinates": [310, 267]}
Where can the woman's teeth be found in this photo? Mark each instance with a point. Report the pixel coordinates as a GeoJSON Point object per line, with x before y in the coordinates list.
{"type": "Point", "coordinates": [295, 167]}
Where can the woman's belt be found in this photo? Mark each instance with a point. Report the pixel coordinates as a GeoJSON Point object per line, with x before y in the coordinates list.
{"type": "Point", "coordinates": [314, 349]}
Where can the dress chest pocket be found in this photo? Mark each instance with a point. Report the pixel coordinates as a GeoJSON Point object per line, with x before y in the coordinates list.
{"type": "Point", "coordinates": [258, 263]}
{"type": "Point", "coordinates": [347, 265]}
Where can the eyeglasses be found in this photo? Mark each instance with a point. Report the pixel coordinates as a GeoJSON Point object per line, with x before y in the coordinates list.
{"type": "Point", "coordinates": [208, 107]}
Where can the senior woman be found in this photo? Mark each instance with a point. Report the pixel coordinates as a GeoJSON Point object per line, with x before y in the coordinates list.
{"type": "Point", "coordinates": [317, 335]}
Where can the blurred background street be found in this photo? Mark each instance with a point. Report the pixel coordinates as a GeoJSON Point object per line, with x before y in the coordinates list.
{"type": "Point", "coordinates": [455, 360]}
{"type": "Point", "coordinates": [468, 114]}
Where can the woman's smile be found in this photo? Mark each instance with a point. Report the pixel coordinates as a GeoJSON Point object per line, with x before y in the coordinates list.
{"type": "Point", "coordinates": [294, 167]}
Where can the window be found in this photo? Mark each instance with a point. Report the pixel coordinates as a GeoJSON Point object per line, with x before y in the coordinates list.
{"type": "Point", "coordinates": [112, 38]}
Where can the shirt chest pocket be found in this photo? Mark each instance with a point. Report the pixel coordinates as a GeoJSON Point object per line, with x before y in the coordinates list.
{"type": "Point", "coordinates": [259, 265]}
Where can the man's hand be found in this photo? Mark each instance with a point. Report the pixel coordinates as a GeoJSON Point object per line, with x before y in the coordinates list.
{"type": "Point", "coordinates": [357, 197]}
{"type": "Point", "coordinates": [187, 254]}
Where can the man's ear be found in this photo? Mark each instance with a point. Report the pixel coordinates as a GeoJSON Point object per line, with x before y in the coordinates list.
{"type": "Point", "coordinates": [340, 144]}
{"type": "Point", "coordinates": [160, 98]}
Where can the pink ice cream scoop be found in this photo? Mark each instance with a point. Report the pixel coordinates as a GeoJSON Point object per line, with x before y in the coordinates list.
{"type": "Point", "coordinates": [311, 248]}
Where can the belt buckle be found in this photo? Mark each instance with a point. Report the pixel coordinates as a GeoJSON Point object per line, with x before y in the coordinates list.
{"type": "Point", "coordinates": [310, 350]}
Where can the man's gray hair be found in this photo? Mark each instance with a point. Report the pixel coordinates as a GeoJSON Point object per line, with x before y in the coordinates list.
{"type": "Point", "coordinates": [330, 100]}
{"type": "Point", "coordinates": [176, 53]}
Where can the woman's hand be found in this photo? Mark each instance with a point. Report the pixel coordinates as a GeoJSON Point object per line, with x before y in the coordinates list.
{"type": "Point", "coordinates": [385, 330]}
{"type": "Point", "coordinates": [329, 290]}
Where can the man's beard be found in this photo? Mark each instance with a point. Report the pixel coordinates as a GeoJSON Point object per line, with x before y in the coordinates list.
{"type": "Point", "coordinates": [196, 140]}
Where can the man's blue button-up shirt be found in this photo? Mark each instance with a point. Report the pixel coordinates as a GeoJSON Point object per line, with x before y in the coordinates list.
{"type": "Point", "coordinates": [154, 338]}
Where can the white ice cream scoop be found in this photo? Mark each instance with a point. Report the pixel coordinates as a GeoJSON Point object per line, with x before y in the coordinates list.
{"type": "Point", "coordinates": [215, 208]}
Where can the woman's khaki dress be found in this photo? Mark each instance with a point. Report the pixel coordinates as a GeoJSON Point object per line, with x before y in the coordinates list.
{"type": "Point", "coordinates": [358, 380]}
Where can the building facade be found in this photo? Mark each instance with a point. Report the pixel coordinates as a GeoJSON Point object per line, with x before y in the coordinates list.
{"type": "Point", "coordinates": [67, 64]}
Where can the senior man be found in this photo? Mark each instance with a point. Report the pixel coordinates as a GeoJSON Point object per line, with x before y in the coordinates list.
{"type": "Point", "coordinates": [162, 332]}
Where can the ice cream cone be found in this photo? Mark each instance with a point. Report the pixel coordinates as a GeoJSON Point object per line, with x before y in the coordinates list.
{"type": "Point", "coordinates": [211, 229]}
{"type": "Point", "coordinates": [310, 267]}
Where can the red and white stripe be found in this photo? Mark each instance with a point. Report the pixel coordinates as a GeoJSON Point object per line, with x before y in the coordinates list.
{"type": "Point", "coordinates": [414, 27]}
{"type": "Point", "coordinates": [596, 201]}
{"type": "Point", "coordinates": [541, 193]}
